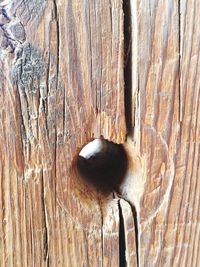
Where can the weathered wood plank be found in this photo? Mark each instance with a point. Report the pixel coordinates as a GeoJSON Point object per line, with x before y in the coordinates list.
{"type": "Point", "coordinates": [168, 53]}
{"type": "Point", "coordinates": [61, 85]}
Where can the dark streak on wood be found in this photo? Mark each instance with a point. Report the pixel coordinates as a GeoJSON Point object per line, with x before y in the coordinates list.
{"type": "Point", "coordinates": [46, 230]}
{"type": "Point", "coordinates": [122, 243]}
{"type": "Point", "coordinates": [128, 67]}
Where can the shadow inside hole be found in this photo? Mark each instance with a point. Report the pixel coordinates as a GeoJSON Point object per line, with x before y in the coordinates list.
{"type": "Point", "coordinates": [105, 169]}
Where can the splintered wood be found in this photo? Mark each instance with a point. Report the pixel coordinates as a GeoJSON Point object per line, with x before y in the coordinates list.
{"type": "Point", "coordinates": [61, 85]}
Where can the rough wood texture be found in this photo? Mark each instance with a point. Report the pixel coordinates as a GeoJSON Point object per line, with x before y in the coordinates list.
{"type": "Point", "coordinates": [61, 84]}
{"type": "Point", "coordinates": [168, 68]}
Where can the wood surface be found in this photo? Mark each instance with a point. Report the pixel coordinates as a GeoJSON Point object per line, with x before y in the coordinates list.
{"type": "Point", "coordinates": [61, 85]}
{"type": "Point", "coordinates": [168, 74]}
{"type": "Point", "coordinates": [71, 71]}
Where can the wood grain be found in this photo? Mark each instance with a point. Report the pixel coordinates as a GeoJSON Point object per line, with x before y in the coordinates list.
{"type": "Point", "coordinates": [62, 84]}
{"type": "Point", "coordinates": [168, 88]}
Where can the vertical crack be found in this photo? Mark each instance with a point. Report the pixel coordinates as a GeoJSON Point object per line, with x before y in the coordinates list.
{"type": "Point", "coordinates": [102, 237]}
{"type": "Point", "coordinates": [179, 62]}
{"type": "Point", "coordinates": [135, 218]}
{"type": "Point", "coordinates": [57, 83]}
{"type": "Point", "coordinates": [58, 39]}
{"type": "Point", "coordinates": [122, 241]}
{"type": "Point", "coordinates": [46, 235]}
{"type": "Point", "coordinates": [127, 66]}
{"type": "Point", "coordinates": [130, 119]}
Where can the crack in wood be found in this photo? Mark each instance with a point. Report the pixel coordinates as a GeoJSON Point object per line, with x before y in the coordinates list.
{"type": "Point", "coordinates": [102, 236]}
{"type": "Point", "coordinates": [46, 235]}
{"type": "Point", "coordinates": [130, 120]}
{"type": "Point", "coordinates": [57, 84]}
{"type": "Point", "coordinates": [122, 242]}
{"type": "Point", "coordinates": [127, 67]}
{"type": "Point", "coordinates": [58, 38]}
{"type": "Point", "coordinates": [179, 60]}
{"type": "Point", "coordinates": [135, 217]}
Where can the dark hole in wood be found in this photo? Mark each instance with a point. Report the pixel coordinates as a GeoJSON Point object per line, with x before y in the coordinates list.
{"type": "Point", "coordinates": [104, 169]}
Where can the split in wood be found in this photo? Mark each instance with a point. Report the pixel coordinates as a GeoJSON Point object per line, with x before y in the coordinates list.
{"type": "Point", "coordinates": [114, 167]}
